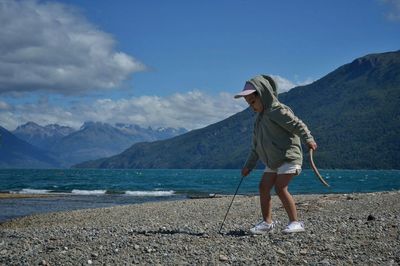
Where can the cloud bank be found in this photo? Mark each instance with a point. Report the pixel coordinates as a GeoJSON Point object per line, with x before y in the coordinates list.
{"type": "Point", "coordinates": [49, 46]}
{"type": "Point", "coordinates": [190, 110]}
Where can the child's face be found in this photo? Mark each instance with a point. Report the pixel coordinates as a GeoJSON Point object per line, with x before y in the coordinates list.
{"type": "Point", "coordinates": [255, 102]}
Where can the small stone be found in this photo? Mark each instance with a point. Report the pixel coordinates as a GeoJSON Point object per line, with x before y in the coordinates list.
{"type": "Point", "coordinates": [90, 262]}
{"type": "Point", "coordinates": [280, 251]}
{"type": "Point", "coordinates": [303, 252]}
{"type": "Point", "coordinates": [45, 263]}
{"type": "Point", "coordinates": [223, 258]}
{"type": "Point", "coordinates": [136, 247]}
{"type": "Point", "coordinates": [325, 262]}
{"type": "Point", "coordinates": [65, 248]}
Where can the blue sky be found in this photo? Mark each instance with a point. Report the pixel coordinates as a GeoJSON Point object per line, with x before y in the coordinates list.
{"type": "Point", "coordinates": [172, 63]}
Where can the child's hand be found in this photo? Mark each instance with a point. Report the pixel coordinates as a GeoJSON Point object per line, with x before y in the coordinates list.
{"type": "Point", "coordinates": [312, 145]}
{"type": "Point", "coordinates": [245, 171]}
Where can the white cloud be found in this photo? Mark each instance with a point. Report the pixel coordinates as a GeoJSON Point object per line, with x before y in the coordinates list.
{"type": "Point", "coordinates": [50, 46]}
{"type": "Point", "coordinates": [4, 106]}
{"type": "Point", "coordinates": [190, 110]}
{"type": "Point", "coordinates": [394, 9]}
{"type": "Point", "coordinates": [285, 85]}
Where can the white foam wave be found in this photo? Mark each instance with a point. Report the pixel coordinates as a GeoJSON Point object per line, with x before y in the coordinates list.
{"type": "Point", "coordinates": [150, 193]}
{"type": "Point", "coordinates": [33, 191]}
{"type": "Point", "coordinates": [88, 192]}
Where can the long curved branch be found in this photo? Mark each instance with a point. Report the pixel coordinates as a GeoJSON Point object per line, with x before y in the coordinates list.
{"type": "Point", "coordinates": [316, 170]}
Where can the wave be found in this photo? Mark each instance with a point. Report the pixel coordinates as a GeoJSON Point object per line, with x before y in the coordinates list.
{"type": "Point", "coordinates": [139, 193]}
{"type": "Point", "coordinates": [150, 193]}
{"type": "Point", "coordinates": [88, 192]}
{"type": "Point", "coordinates": [32, 191]}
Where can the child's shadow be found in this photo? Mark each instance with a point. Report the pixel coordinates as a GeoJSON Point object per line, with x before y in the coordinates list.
{"type": "Point", "coordinates": [237, 233]}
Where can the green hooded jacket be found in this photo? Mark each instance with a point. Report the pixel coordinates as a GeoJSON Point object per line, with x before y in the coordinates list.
{"type": "Point", "coordinates": [277, 131]}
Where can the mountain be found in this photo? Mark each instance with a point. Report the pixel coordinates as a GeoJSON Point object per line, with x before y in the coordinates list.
{"type": "Point", "coordinates": [210, 147]}
{"type": "Point", "coordinates": [353, 113]}
{"type": "Point", "coordinates": [16, 153]}
{"type": "Point", "coordinates": [42, 137]}
{"type": "Point", "coordinates": [149, 134]}
{"type": "Point", "coordinates": [95, 140]}
{"type": "Point", "coordinates": [92, 141]}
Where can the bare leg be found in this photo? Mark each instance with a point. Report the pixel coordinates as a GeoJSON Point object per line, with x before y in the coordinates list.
{"type": "Point", "coordinates": [266, 184]}
{"type": "Point", "coordinates": [281, 188]}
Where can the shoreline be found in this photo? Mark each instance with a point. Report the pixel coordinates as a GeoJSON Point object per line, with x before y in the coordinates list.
{"type": "Point", "coordinates": [356, 228]}
{"type": "Point", "coordinates": [5, 195]}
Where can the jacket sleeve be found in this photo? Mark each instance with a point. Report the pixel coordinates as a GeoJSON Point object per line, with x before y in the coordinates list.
{"type": "Point", "coordinates": [284, 117]}
{"type": "Point", "coordinates": [252, 159]}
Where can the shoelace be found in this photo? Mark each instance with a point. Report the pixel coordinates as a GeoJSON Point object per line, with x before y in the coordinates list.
{"type": "Point", "coordinates": [292, 224]}
{"type": "Point", "coordinates": [271, 225]}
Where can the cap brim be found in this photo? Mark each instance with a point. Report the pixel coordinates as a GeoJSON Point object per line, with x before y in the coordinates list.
{"type": "Point", "coordinates": [244, 93]}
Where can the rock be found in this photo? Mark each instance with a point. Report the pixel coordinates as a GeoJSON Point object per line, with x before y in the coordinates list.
{"type": "Point", "coordinates": [223, 258]}
{"type": "Point", "coordinates": [325, 262]}
{"type": "Point", "coordinates": [149, 250]}
{"type": "Point", "coordinates": [280, 251]}
{"type": "Point", "coordinates": [303, 252]}
{"type": "Point", "coordinates": [44, 263]}
{"type": "Point", "coordinates": [90, 262]}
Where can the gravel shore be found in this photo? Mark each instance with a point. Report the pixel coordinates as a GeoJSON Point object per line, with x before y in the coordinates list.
{"type": "Point", "coordinates": [362, 229]}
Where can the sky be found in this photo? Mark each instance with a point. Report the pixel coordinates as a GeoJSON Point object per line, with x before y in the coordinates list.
{"type": "Point", "coordinates": [173, 63]}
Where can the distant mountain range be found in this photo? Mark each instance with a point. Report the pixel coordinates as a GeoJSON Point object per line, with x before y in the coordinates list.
{"type": "Point", "coordinates": [43, 137]}
{"type": "Point", "coordinates": [53, 145]}
{"type": "Point", "coordinates": [353, 113]}
{"type": "Point", "coordinates": [17, 153]}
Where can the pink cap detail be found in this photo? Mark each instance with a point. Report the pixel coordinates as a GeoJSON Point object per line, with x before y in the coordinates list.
{"type": "Point", "coordinates": [247, 90]}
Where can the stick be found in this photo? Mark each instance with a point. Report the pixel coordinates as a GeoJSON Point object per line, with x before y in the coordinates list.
{"type": "Point", "coordinates": [237, 189]}
{"type": "Point", "coordinates": [316, 170]}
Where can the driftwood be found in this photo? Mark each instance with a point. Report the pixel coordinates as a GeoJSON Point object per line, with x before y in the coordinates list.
{"type": "Point", "coordinates": [316, 170]}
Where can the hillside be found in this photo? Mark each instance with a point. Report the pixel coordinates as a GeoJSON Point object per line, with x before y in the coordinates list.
{"type": "Point", "coordinates": [16, 153]}
{"type": "Point", "coordinates": [92, 141]}
{"type": "Point", "coordinates": [352, 113]}
{"type": "Point", "coordinates": [210, 147]}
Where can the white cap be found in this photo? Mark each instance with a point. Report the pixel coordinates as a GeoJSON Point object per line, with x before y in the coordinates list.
{"type": "Point", "coordinates": [247, 90]}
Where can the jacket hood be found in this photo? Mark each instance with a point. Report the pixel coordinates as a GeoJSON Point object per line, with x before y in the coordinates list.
{"type": "Point", "coordinates": [267, 89]}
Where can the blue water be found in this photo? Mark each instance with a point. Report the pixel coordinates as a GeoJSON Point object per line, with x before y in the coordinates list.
{"type": "Point", "coordinates": [83, 188]}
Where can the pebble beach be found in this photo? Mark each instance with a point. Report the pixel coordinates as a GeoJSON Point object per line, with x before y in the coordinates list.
{"type": "Point", "coordinates": [341, 229]}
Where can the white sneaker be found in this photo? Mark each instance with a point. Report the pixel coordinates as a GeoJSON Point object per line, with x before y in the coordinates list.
{"type": "Point", "coordinates": [294, 227]}
{"type": "Point", "coordinates": [262, 228]}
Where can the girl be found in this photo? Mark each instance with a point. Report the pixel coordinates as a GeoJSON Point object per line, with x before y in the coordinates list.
{"type": "Point", "coordinates": [276, 142]}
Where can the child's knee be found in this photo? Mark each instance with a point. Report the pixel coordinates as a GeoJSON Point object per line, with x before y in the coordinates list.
{"type": "Point", "coordinates": [280, 190]}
